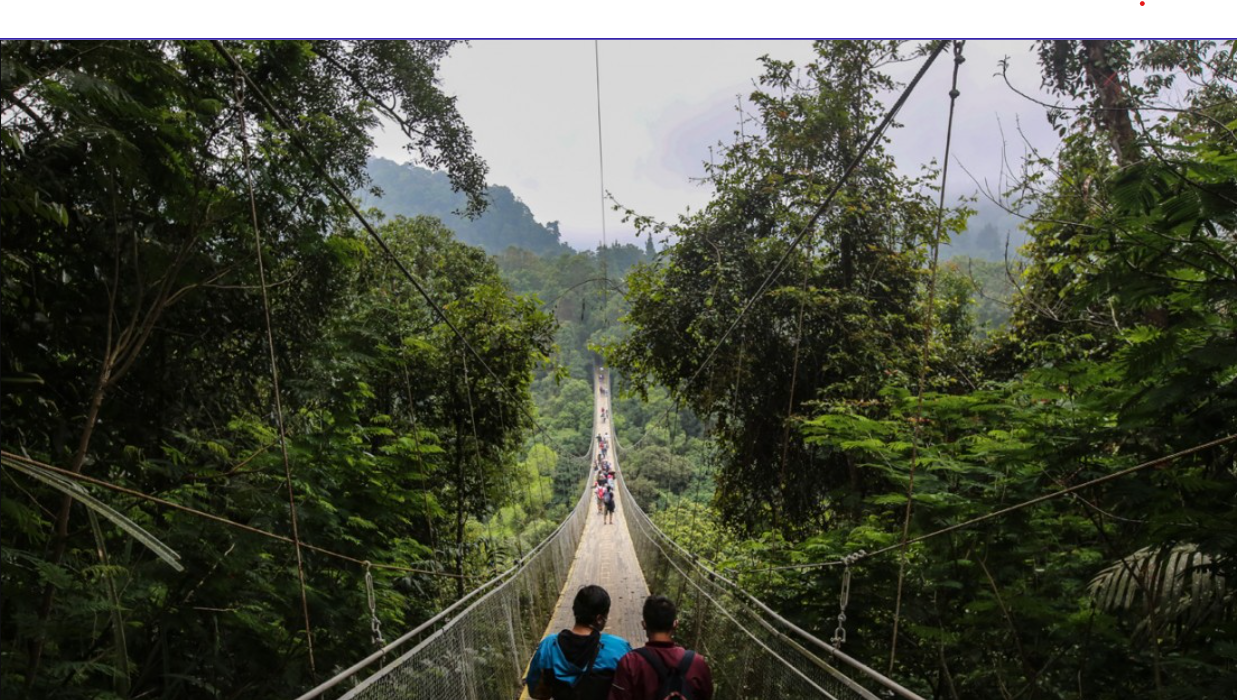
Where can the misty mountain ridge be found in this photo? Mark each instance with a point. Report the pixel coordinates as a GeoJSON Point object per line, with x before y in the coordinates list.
{"type": "Point", "coordinates": [986, 235]}
{"type": "Point", "coordinates": [409, 190]}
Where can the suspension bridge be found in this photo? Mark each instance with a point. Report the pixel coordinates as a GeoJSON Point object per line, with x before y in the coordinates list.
{"type": "Point", "coordinates": [480, 647]}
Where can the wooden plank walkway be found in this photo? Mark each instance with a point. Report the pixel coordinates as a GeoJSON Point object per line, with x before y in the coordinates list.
{"type": "Point", "coordinates": [607, 558]}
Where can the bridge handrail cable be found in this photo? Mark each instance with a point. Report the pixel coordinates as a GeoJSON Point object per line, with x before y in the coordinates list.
{"type": "Point", "coordinates": [700, 577]}
{"type": "Point", "coordinates": [531, 574]}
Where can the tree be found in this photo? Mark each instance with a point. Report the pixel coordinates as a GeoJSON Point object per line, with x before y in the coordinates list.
{"type": "Point", "coordinates": [1121, 320]}
{"type": "Point", "coordinates": [420, 376]}
{"type": "Point", "coordinates": [834, 324]}
{"type": "Point", "coordinates": [1119, 351]}
{"type": "Point", "coordinates": [126, 213]}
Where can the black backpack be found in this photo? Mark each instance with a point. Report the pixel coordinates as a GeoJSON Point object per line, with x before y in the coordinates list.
{"type": "Point", "coordinates": [592, 684]}
{"type": "Point", "coordinates": [671, 685]}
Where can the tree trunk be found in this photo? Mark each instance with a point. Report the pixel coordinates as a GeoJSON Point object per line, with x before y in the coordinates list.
{"type": "Point", "coordinates": [1114, 105]}
{"type": "Point", "coordinates": [61, 537]}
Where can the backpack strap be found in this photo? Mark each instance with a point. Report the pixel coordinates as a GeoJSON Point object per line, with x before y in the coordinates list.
{"type": "Point", "coordinates": [686, 663]}
{"type": "Point", "coordinates": [654, 660]}
{"type": "Point", "coordinates": [591, 661]}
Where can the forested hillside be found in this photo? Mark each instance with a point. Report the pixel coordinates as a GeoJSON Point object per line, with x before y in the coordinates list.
{"type": "Point", "coordinates": [991, 234]}
{"type": "Point", "coordinates": [408, 190]}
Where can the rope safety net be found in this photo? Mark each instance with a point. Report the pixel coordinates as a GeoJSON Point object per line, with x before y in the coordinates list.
{"type": "Point", "coordinates": [477, 651]}
{"type": "Point", "coordinates": [752, 651]}
{"type": "Point", "coordinates": [479, 647]}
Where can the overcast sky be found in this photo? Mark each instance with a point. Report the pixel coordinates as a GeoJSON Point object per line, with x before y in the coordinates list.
{"type": "Point", "coordinates": [532, 106]}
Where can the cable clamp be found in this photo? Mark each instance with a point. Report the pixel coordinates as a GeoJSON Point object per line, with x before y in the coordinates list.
{"type": "Point", "coordinates": [375, 625]}
{"type": "Point", "coordinates": [839, 634]}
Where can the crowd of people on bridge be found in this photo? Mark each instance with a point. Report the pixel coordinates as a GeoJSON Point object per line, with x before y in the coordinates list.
{"type": "Point", "coordinates": [584, 663]}
{"type": "Point", "coordinates": [604, 484]}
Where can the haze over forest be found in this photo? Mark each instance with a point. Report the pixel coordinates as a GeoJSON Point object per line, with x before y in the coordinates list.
{"type": "Point", "coordinates": [410, 190]}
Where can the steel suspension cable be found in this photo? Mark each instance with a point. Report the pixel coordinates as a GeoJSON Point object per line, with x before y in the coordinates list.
{"type": "Point", "coordinates": [1158, 462]}
{"type": "Point", "coordinates": [416, 445]}
{"type": "Point", "coordinates": [270, 341]}
{"type": "Point", "coordinates": [453, 613]}
{"type": "Point", "coordinates": [295, 137]}
{"type": "Point", "coordinates": [601, 169]}
{"type": "Point", "coordinates": [652, 533]}
{"type": "Point", "coordinates": [498, 457]}
{"type": "Point", "coordinates": [442, 615]}
{"type": "Point", "coordinates": [794, 378]}
{"type": "Point", "coordinates": [729, 615]}
{"type": "Point", "coordinates": [929, 317]}
{"type": "Point", "coordinates": [476, 443]}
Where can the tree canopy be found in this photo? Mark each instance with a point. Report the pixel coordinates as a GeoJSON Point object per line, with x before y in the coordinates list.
{"type": "Point", "coordinates": [839, 319]}
{"type": "Point", "coordinates": [135, 352]}
{"type": "Point", "coordinates": [1029, 463]}
{"type": "Point", "coordinates": [1118, 350]}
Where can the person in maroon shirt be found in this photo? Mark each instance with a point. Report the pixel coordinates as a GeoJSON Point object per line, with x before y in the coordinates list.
{"type": "Point", "coordinates": [638, 679]}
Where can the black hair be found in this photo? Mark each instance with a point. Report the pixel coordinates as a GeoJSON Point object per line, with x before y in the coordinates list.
{"type": "Point", "coordinates": [590, 602]}
{"type": "Point", "coordinates": [659, 614]}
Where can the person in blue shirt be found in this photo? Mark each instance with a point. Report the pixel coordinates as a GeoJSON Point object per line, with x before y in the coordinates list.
{"type": "Point", "coordinates": [579, 663]}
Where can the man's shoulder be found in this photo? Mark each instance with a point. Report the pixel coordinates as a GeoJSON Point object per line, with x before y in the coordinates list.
{"type": "Point", "coordinates": [613, 648]}
{"type": "Point", "coordinates": [670, 655]}
{"type": "Point", "coordinates": [549, 643]}
{"type": "Point", "coordinates": [615, 641]}
{"type": "Point", "coordinates": [697, 657]}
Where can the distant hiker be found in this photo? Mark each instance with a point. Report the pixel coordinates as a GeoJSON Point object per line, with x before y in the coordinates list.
{"type": "Point", "coordinates": [579, 663]}
{"type": "Point", "coordinates": [609, 501]}
{"type": "Point", "coordinates": [662, 669]}
{"type": "Point", "coordinates": [601, 494]}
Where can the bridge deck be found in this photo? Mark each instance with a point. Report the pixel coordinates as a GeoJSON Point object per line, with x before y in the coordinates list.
{"type": "Point", "coordinates": [607, 558]}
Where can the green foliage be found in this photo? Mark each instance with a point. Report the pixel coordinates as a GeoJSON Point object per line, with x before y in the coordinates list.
{"type": "Point", "coordinates": [838, 321]}
{"type": "Point", "coordinates": [1119, 349]}
{"type": "Point", "coordinates": [990, 286]}
{"type": "Point", "coordinates": [1172, 591]}
{"type": "Point", "coordinates": [135, 333]}
{"type": "Point", "coordinates": [134, 352]}
{"type": "Point", "coordinates": [79, 494]}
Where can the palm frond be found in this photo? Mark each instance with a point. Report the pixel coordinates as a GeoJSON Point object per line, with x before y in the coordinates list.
{"type": "Point", "coordinates": [80, 494]}
{"type": "Point", "coordinates": [1171, 589]}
